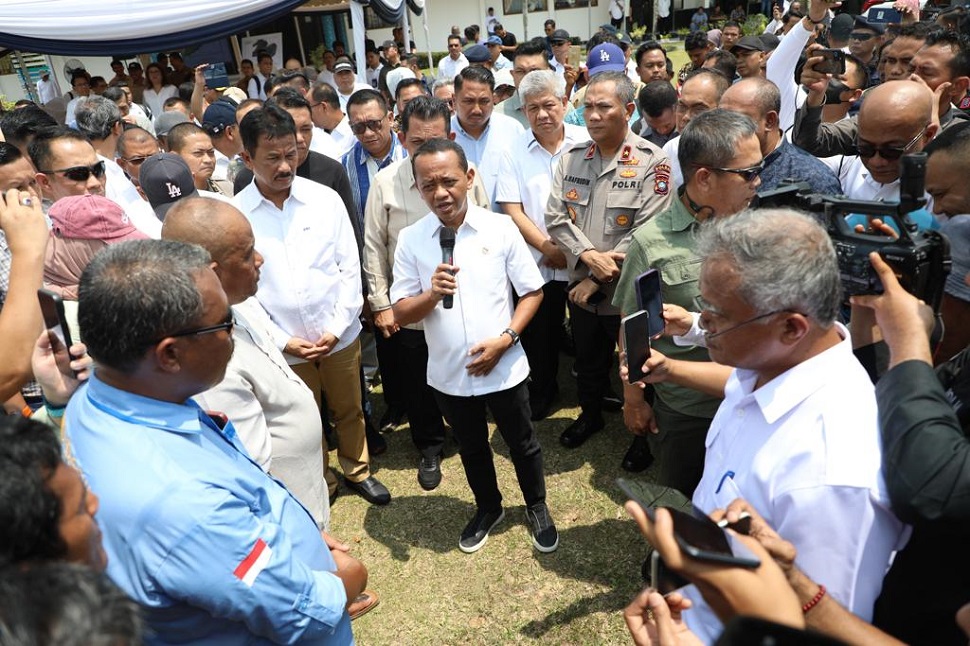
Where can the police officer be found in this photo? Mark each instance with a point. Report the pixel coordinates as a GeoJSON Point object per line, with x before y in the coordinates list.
{"type": "Point", "coordinates": [602, 191]}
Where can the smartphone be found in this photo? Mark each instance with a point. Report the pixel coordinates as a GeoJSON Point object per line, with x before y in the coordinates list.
{"type": "Point", "coordinates": [650, 298]}
{"type": "Point", "coordinates": [698, 536]}
{"type": "Point", "coordinates": [887, 15]}
{"type": "Point", "coordinates": [635, 330]}
{"type": "Point", "coordinates": [59, 332]}
{"type": "Point", "coordinates": [833, 63]}
{"type": "Point", "coordinates": [216, 76]}
{"type": "Point", "coordinates": [575, 56]}
{"type": "Point", "coordinates": [663, 579]}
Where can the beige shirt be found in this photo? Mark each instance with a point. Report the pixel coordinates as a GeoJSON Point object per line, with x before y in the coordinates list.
{"type": "Point", "coordinates": [392, 204]}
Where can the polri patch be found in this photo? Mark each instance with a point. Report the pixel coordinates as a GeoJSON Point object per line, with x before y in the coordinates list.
{"type": "Point", "coordinates": [628, 173]}
{"type": "Point", "coordinates": [572, 194]}
{"type": "Point", "coordinates": [622, 220]}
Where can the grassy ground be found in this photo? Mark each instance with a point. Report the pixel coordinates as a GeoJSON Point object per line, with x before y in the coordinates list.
{"type": "Point", "coordinates": [507, 593]}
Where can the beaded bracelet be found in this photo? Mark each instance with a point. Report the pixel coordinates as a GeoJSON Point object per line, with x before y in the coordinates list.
{"type": "Point", "coordinates": [814, 602]}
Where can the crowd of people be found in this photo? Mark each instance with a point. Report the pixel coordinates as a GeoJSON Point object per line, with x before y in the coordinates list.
{"type": "Point", "coordinates": [238, 266]}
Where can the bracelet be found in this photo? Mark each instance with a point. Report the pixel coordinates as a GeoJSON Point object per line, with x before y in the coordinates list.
{"type": "Point", "coordinates": [815, 22]}
{"type": "Point", "coordinates": [512, 333]}
{"type": "Point", "coordinates": [54, 410]}
{"type": "Point", "coordinates": [26, 411]}
{"type": "Point", "coordinates": [814, 602]}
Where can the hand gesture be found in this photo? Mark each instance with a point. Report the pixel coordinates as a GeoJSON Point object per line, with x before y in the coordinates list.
{"type": "Point", "coordinates": [22, 220]}
{"type": "Point", "coordinates": [59, 372]}
{"type": "Point", "coordinates": [487, 353]}
{"type": "Point", "coordinates": [443, 281]}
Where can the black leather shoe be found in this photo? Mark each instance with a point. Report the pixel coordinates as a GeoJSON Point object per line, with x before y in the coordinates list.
{"type": "Point", "coordinates": [376, 444]}
{"type": "Point", "coordinates": [390, 420]}
{"type": "Point", "coordinates": [579, 431]}
{"type": "Point", "coordinates": [429, 472]}
{"type": "Point", "coordinates": [370, 490]}
{"type": "Point", "coordinates": [638, 457]}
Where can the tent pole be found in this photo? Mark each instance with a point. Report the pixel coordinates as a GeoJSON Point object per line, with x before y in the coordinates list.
{"type": "Point", "coordinates": [427, 38]}
{"type": "Point", "coordinates": [299, 39]}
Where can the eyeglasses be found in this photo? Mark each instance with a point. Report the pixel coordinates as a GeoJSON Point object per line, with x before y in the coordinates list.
{"type": "Point", "coordinates": [704, 306]}
{"type": "Point", "coordinates": [138, 161]}
{"type": "Point", "coordinates": [79, 173]}
{"type": "Point", "coordinates": [361, 127]}
{"type": "Point", "coordinates": [860, 35]}
{"type": "Point", "coordinates": [226, 325]}
{"type": "Point", "coordinates": [889, 153]}
{"type": "Point", "coordinates": [747, 174]}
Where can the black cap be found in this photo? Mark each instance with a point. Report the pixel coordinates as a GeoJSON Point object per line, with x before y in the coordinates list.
{"type": "Point", "coordinates": [751, 44]}
{"type": "Point", "coordinates": [559, 34]}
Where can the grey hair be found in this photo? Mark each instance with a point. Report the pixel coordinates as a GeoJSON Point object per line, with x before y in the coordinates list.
{"type": "Point", "coordinates": [624, 86]}
{"type": "Point", "coordinates": [710, 139]}
{"type": "Point", "coordinates": [442, 83]}
{"type": "Point", "coordinates": [784, 260]}
{"type": "Point", "coordinates": [542, 82]}
{"type": "Point", "coordinates": [96, 116]}
{"type": "Point", "coordinates": [134, 293]}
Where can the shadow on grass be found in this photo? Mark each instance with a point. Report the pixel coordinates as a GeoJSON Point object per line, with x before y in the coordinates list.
{"type": "Point", "coordinates": [422, 522]}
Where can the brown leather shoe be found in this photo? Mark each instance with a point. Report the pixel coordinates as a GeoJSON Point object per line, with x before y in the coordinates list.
{"type": "Point", "coordinates": [364, 603]}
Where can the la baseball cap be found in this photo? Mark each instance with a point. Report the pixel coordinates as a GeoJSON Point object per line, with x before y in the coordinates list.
{"type": "Point", "coordinates": [166, 179]}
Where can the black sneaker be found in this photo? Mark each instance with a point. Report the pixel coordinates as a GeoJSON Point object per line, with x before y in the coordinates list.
{"type": "Point", "coordinates": [475, 534]}
{"type": "Point", "coordinates": [545, 537]}
{"type": "Point", "coordinates": [429, 472]}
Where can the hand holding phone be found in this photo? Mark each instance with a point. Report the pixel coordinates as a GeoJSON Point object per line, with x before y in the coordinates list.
{"type": "Point", "coordinates": [52, 309]}
{"type": "Point", "coordinates": [833, 61]}
{"type": "Point", "coordinates": [650, 298]}
{"type": "Point", "coordinates": [635, 331]}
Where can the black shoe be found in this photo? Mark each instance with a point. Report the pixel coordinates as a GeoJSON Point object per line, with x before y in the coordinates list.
{"type": "Point", "coordinates": [638, 457]}
{"type": "Point", "coordinates": [542, 406]}
{"type": "Point", "coordinates": [370, 490]}
{"type": "Point", "coordinates": [579, 431]}
{"type": "Point", "coordinates": [475, 534]}
{"type": "Point", "coordinates": [545, 537]}
{"type": "Point", "coordinates": [333, 496]}
{"type": "Point", "coordinates": [391, 420]}
{"type": "Point", "coordinates": [429, 472]}
{"type": "Point", "coordinates": [611, 402]}
{"type": "Point", "coordinates": [376, 444]}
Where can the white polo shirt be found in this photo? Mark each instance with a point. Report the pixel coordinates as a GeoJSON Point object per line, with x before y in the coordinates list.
{"type": "Point", "coordinates": [488, 150]}
{"type": "Point", "coordinates": [492, 257]}
{"type": "Point", "coordinates": [526, 176]}
{"type": "Point", "coordinates": [310, 279]}
{"type": "Point", "coordinates": [448, 68]}
{"type": "Point", "coordinates": [804, 450]}
{"type": "Point", "coordinates": [119, 189]}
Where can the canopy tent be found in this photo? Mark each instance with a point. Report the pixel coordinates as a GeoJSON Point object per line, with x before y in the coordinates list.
{"type": "Point", "coordinates": [111, 27]}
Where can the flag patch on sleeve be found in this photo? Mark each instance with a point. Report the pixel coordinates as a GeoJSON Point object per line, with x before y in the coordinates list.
{"type": "Point", "coordinates": [254, 563]}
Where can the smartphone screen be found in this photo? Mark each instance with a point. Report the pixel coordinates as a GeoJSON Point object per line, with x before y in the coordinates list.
{"type": "Point", "coordinates": [635, 330]}
{"type": "Point", "coordinates": [650, 298]}
{"type": "Point", "coordinates": [575, 55]}
{"type": "Point", "coordinates": [59, 332]}
{"type": "Point", "coordinates": [834, 62]}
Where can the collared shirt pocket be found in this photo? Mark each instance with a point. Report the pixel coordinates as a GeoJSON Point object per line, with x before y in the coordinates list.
{"type": "Point", "coordinates": [621, 208]}
{"type": "Point", "coordinates": [576, 199]}
{"type": "Point", "coordinates": [680, 280]}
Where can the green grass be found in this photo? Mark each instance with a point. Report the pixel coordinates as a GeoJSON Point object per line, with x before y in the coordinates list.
{"type": "Point", "coordinates": [507, 593]}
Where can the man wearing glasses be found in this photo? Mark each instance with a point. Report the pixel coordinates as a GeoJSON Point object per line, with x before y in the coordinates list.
{"type": "Point", "coordinates": [797, 434]}
{"type": "Point", "coordinates": [721, 160]}
{"type": "Point", "coordinates": [864, 41]}
{"type": "Point", "coordinates": [212, 548]}
{"type": "Point", "coordinates": [454, 62]}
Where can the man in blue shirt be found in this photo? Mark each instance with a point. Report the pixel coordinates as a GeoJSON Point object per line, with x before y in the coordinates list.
{"type": "Point", "coordinates": [213, 549]}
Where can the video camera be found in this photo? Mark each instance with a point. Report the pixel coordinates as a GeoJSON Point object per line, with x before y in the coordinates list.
{"type": "Point", "coordinates": [920, 259]}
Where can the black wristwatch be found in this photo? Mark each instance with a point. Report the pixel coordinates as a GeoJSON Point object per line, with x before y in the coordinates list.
{"type": "Point", "coordinates": [512, 333]}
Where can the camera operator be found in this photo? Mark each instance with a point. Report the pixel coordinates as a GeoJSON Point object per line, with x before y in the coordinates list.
{"type": "Point", "coordinates": [924, 419]}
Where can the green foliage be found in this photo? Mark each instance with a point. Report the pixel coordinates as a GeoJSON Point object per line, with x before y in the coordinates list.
{"type": "Point", "coordinates": [754, 25]}
{"type": "Point", "coordinates": [638, 32]}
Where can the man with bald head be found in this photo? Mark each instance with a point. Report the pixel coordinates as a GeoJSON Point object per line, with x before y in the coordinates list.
{"type": "Point", "coordinates": [896, 118]}
{"type": "Point", "coordinates": [700, 92]}
{"type": "Point", "coordinates": [271, 408]}
{"type": "Point", "coordinates": [760, 99]}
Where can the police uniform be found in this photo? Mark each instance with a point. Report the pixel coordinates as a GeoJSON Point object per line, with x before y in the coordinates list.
{"type": "Point", "coordinates": [598, 203]}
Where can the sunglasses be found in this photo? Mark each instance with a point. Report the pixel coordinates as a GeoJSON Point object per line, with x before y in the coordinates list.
{"type": "Point", "coordinates": [79, 173]}
{"type": "Point", "coordinates": [226, 325]}
{"type": "Point", "coordinates": [889, 153]}
{"type": "Point", "coordinates": [860, 35]}
{"type": "Point", "coordinates": [361, 127]}
{"type": "Point", "coordinates": [747, 174]}
{"type": "Point", "coordinates": [138, 161]}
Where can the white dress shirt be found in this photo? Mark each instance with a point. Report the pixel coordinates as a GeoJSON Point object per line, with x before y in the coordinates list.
{"type": "Point", "coordinates": [346, 97]}
{"type": "Point", "coordinates": [343, 136]}
{"type": "Point", "coordinates": [492, 257]}
{"type": "Point", "coordinates": [780, 70]}
{"type": "Point", "coordinates": [257, 87]}
{"type": "Point", "coordinates": [526, 177]}
{"type": "Point", "coordinates": [672, 148]}
{"type": "Point", "coordinates": [488, 151]}
{"type": "Point", "coordinates": [449, 68]}
{"type": "Point", "coordinates": [46, 90]}
{"type": "Point", "coordinates": [373, 74]}
{"type": "Point", "coordinates": [804, 450]}
{"type": "Point", "coordinates": [323, 143]}
{"type": "Point", "coordinates": [119, 189]}
{"type": "Point", "coordinates": [310, 280]}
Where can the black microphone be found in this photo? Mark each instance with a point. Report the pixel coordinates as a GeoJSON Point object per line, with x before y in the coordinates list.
{"type": "Point", "coordinates": [447, 239]}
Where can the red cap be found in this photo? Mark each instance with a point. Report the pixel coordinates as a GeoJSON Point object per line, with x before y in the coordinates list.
{"type": "Point", "coordinates": [92, 217]}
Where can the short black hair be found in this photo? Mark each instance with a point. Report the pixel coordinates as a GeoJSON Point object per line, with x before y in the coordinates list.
{"type": "Point", "coordinates": [263, 55]}
{"type": "Point", "coordinates": [180, 132]}
{"type": "Point", "coordinates": [655, 97]}
{"type": "Point", "coordinates": [9, 153]}
{"type": "Point", "coordinates": [20, 126]}
{"type": "Point", "coordinates": [114, 94]}
{"type": "Point", "coordinates": [696, 40]}
{"type": "Point", "coordinates": [959, 44]}
{"type": "Point", "coordinates": [361, 97]}
{"type": "Point", "coordinates": [954, 139]}
{"type": "Point", "coordinates": [406, 83]}
{"type": "Point", "coordinates": [40, 147]}
{"type": "Point", "coordinates": [533, 47]}
{"type": "Point", "coordinates": [271, 121]}
{"type": "Point", "coordinates": [289, 98]}
{"type": "Point", "coordinates": [435, 146]}
{"type": "Point", "coordinates": [724, 62]}
{"type": "Point", "coordinates": [173, 101]}
{"type": "Point", "coordinates": [30, 512]}
{"type": "Point", "coordinates": [648, 46]}
{"type": "Point", "coordinates": [426, 108]}
{"type": "Point", "coordinates": [730, 23]}
{"type": "Point", "coordinates": [324, 93]}
{"type": "Point", "coordinates": [475, 74]}
{"type": "Point", "coordinates": [549, 23]}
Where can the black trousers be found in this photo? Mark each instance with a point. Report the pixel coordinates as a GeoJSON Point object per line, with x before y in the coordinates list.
{"type": "Point", "coordinates": [510, 409]}
{"type": "Point", "coordinates": [540, 340]}
{"type": "Point", "coordinates": [405, 356]}
{"type": "Point", "coordinates": [595, 338]}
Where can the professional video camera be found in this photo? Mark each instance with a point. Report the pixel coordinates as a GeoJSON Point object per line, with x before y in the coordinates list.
{"type": "Point", "coordinates": [921, 259]}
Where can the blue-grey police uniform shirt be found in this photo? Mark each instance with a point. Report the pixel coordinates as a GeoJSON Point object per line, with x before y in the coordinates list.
{"type": "Point", "coordinates": [214, 549]}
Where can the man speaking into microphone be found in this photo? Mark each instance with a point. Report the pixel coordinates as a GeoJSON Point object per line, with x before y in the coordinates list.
{"type": "Point", "coordinates": [453, 269]}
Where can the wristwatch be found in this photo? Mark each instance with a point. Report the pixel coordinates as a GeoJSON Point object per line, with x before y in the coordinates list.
{"type": "Point", "coordinates": [512, 333]}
